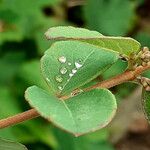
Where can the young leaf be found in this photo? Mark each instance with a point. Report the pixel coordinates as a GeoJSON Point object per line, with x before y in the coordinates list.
{"type": "Point", "coordinates": [81, 114]}
{"type": "Point", "coordinates": [146, 103]}
{"type": "Point", "coordinates": [9, 145]}
{"type": "Point", "coordinates": [68, 65]}
{"type": "Point", "coordinates": [122, 45]}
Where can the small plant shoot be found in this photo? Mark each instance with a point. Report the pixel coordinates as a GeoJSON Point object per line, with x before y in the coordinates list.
{"type": "Point", "coordinates": [76, 59]}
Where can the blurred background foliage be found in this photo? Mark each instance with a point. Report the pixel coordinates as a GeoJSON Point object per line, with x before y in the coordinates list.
{"type": "Point", "coordinates": [22, 43]}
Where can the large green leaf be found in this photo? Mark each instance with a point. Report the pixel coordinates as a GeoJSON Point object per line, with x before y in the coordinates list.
{"type": "Point", "coordinates": [83, 113]}
{"type": "Point", "coordinates": [146, 103]}
{"type": "Point", "coordinates": [9, 145]}
{"type": "Point", "coordinates": [68, 65]}
{"type": "Point", "coordinates": [123, 45]}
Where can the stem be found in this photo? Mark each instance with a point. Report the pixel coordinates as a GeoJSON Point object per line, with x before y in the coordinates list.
{"type": "Point", "coordinates": [124, 77]}
{"type": "Point", "coordinates": [32, 113]}
{"type": "Point", "coordinates": [27, 115]}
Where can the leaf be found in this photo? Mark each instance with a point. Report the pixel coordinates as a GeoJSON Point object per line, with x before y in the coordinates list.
{"type": "Point", "coordinates": [111, 17]}
{"type": "Point", "coordinates": [9, 145]}
{"type": "Point", "coordinates": [81, 114]}
{"type": "Point", "coordinates": [83, 62]}
{"type": "Point", "coordinates": [123, 45]}
{"type": "Point", "coordinates": [69, 32]}
{"type": "Point", "coordinates": [146, 103]}
{"type": "Point", "coordinates": [117, 68]}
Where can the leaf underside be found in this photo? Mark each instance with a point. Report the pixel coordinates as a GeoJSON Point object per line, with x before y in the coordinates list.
{"type": "Point", "coordinates": [91, 60]}
{"type": "Point", "coordinates": [146, 103]}
{"type": "Point", "coordinates": [81, 114]}
{"type": "Point", "coordinates": [123, 45]}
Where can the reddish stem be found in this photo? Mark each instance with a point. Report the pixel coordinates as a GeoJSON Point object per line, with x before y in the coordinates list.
{"type": "Point", "coordinates": [32, 113]}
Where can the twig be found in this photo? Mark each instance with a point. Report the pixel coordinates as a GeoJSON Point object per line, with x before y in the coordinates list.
{"type": "Point", "coordinates": [73, 3]}
{"type": "Point", "coordinates": [32, 113]}
{"type": "Point", "coordinates": [124, 77]}
{"type": "Point", "coordinates": [27, 115]}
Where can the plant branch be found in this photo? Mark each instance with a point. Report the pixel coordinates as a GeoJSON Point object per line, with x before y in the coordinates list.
{"type": "Point", "coordinates": [124, 77]}
{"type": "Point", "coordinates": [27, 115]}
{"type": "Point", "coordinates": [32, 113]}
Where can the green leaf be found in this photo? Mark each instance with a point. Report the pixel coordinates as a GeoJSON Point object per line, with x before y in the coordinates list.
{"type": "Point", "coordinates": [123, 45]}
{"type": "Point", "coordinates": [111, 17]}
{"type": "Point", "coordinates": [117, 68]}
{"type": "Point", "coordinates": [81, 114]}
{"type": "Point", "coordinates": [9, 145]}
{"type": "Point", "coordinates": [69, 32]}
{"type": "Point", "coordinates": [83, 62]}
{"type": "Point", "coordinates": [146, 103]}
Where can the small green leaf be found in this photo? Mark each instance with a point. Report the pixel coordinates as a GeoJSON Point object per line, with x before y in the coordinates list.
{"type": "Point", "coordinates": [81, 114]}
{"type": "Point", "coordinates": [146, 103]}
{"type": "Point", "coordinates": [9, 145]}
{"type": "Point", "coordinates": [68, 65]}
{"type": "Point", "coordinates": [123, 45]}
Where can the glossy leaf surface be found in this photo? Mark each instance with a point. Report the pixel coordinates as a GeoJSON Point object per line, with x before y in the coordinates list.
{"type": "Point", "coordinates": [68, 65]}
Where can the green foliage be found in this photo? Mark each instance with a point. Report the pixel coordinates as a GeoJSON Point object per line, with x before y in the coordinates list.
{"type": "Point", "coordinates": [8, 104]}
{"type": "Point", "coordinates": [74, 114]}
{"type": "Point", "coordinates": [63, 32]}
{"type": "Point", "coordinates": [94, 141]}
{"type": "Point", "coordinates": [22, 24]}
{"type": "Point", "coordinates": [117, 68]}
{"type": "Point", "coordinates": [146, 103]}
{"type": "Point", "coordinates": [16, 15]}
{"type": "Point", "coordinates": [8, 145]}
{"type": "Point", "coordinates": [144, 38]}
{"type": "Point", "coordinates": [63, 78]}
{"type": "Point", "coordinates": [31, 77]}
{"type": "Point", "coordinates": [12, 63]}
{"type": "Point", "coordinates": [112, 17]}
{"type": "Point", "coordinates": [122, 45]}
